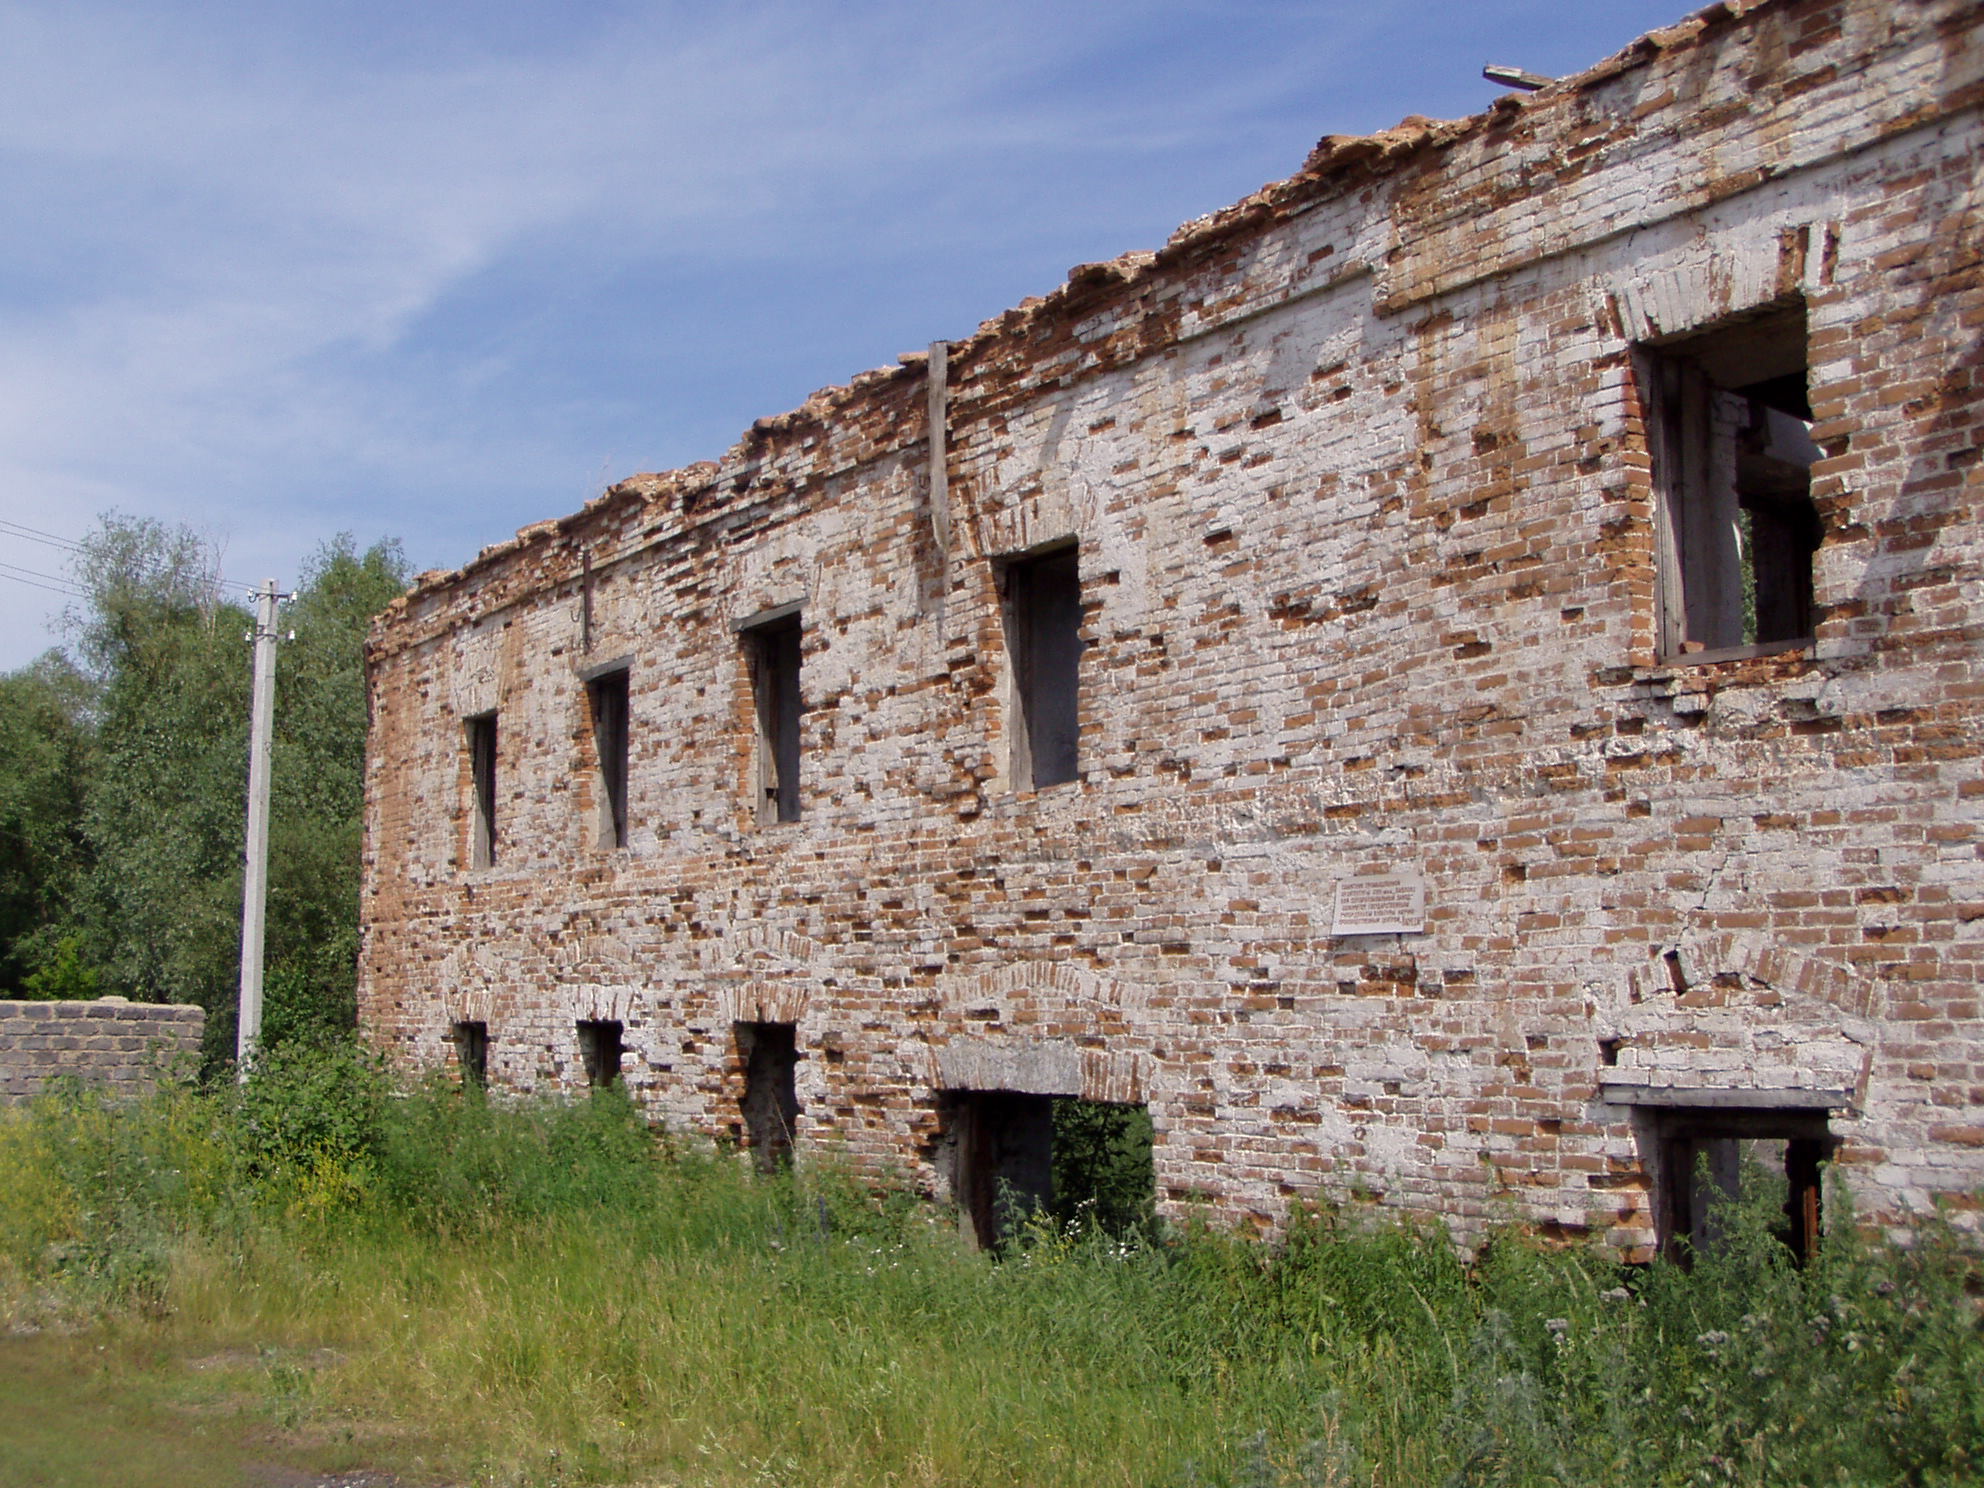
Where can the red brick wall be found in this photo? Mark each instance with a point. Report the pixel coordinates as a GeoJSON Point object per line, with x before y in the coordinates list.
{"type": "Point", "coordinates": [1360, 480]}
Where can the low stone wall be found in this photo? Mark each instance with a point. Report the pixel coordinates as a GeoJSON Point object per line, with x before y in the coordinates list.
{"type": "Point", "coordinates": [122, 1046]}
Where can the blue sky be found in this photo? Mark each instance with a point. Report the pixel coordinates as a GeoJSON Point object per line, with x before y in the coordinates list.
{"type": "Point", "coordinates": [437, 270]}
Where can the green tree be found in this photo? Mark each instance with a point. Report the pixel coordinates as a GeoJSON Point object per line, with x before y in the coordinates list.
{"type": "Point", "coordinates": [318, 785]}
{"type": "Point", "coordinates": [1103, 1172]}
{"type": "Point", "coordinates": [160, 904]}
{"type": "Point", "coordinates": [44, 755]}
{"type": "Point", "coordinates": [125, 783]}
{"type": "Point", "coordinates": [63, 976]}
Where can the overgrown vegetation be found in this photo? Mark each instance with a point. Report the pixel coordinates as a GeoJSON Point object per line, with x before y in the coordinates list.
{"type": "Point", "coordinates": [1102, 1168]}
{"type": "Point", "coordinates": [556, 1295]}
{"type": "Point", "coordinates": [123, 770]}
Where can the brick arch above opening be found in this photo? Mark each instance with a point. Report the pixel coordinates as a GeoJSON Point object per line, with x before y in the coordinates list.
{"type": "Point", "coordinates": [1735, 1018]}
{"type": "Point", "coordinates": [1755, 958]}
{"type": "Point", "coordinates": [764, 1000]}
{"type": "Point", "coordinates": [760, 974]}
{"type": "Point", "coordinates": [761, 948]}
{"type": "Point", "coordinates": [1076, 985]}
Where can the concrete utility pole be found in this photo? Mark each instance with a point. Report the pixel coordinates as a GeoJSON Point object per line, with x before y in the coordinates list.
{"type": "Point", "coordinates": [255, 881]}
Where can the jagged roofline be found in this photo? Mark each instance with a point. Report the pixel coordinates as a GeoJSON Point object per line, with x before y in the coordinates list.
{"type": "Point", "coordinates": [1338, 163]}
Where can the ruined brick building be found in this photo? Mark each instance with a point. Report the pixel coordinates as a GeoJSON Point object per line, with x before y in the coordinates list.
{"type": "Point", "coordinates": [1454, 682]}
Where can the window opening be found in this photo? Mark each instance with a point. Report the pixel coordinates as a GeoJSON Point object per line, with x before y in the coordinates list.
{"type": "Point", "coordinates": [482, 789]}
{"type": "Point", "coordinates": [1709, 1161]}
{"type": "Point", "coordinates": [771, 1103]}
{"type": "Point", "coordinates": [601, 1048]}
{"type": "Point", "coordinates": [472, 1053]}
{"type": "Point", "coordinates": [1729, 433]}
{"type": "Point", "coordinates": [607, 696]}
{"type": "Point", "coordinates": [1043, 617]}
{"type": "Point", "coordinates": [1080, 1161]}
{"type": "Point", "coordinates": [773, 652]}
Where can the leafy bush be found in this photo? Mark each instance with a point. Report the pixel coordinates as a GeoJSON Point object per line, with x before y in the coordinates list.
{"type": "Point", "coordinates": [309, 1126]}
{"type": "Point", "coordinates": [1103, 1172]}
{"type": "Point", "coordinates": [96, 1195]}
{"type": "Point", "coordinates": [448, 1158]}
{"type": "Point", "coordinates": [1546, 1365]}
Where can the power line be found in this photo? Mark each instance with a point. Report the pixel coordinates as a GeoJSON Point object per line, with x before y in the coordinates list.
{"type": "Point", "coordinates": [221, 582]}
{"type": "Point", "coordinates": [56, 584]}
{"type": "Point", "coordinates": [50, 588]}
{"type": "Point", "coordinates": [35, 534]}
{"type": "Point", "coordinates": [53, 583]}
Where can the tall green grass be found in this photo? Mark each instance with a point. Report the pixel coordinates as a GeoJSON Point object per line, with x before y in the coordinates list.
{"type": "Point", "coordinates": [559, 1295]}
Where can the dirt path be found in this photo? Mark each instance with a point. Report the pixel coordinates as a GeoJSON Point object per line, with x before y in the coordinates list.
{"type": "Point", "coordinates": [83, 1410]}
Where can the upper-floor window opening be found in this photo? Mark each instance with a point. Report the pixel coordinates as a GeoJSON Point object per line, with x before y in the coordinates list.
{"type": "Point", "coordinates": [1729, 434]}
{"type": "Point", "coordinates": [771, 651]}
{"type": "Point", "coordinates": [607, 697]}
{"type": "Point", "coordinates": [1042, 597]}
{"type": "Point", "coordinates": [481, 743]}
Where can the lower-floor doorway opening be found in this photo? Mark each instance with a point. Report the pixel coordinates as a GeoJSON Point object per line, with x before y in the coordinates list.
{"type": "Point", "coordinates": [1076, 1162]}
{"type": "Point", "coordinates": [602, 1050]}
{"type": "Point", "coordinates": [1765, 1161]}
{"type": "Point", "coordinates": [471, 1039]}
{"type": "Point", "coordinates": [770, 1106]}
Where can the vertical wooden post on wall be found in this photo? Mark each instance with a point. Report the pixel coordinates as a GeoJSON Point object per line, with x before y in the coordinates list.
{"type": "Point", "coordinates": [940, 493]}
{"type": "Point", "coordinates": [1660, 395]}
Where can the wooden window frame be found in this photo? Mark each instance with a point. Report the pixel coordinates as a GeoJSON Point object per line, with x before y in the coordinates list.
{"type": "Point", "coordinates": [774, 647]}
{"type": "Point", "coordinates": [1041, 605]}
{"type": "Point", "coordinates": [482, 742]}
{"type": "Point", "coordinates": [609, 702]}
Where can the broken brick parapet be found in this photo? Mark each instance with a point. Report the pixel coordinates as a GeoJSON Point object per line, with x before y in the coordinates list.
{"type": "Point", "coordinates": [1155, 302]}
{"type": "Point", "coordinates": [1369, 565]}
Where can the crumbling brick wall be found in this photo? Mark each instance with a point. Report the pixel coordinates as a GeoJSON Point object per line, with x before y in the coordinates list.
{"type": "Point", "coordinates": [122, 1047]}
{"type": "Point", "coordinates": [1369, 524]}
